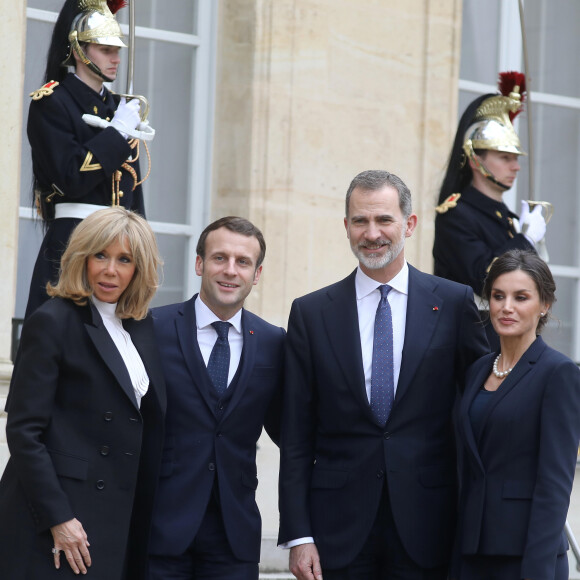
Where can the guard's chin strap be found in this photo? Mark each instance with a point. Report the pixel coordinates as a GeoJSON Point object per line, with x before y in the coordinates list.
{"type": "Point", "coordinates": [75, 45]}
{"type": "Point", "coordinates": [468, 148]}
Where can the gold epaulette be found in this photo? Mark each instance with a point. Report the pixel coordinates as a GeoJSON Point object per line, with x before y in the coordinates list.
{"type": "Point", "coordinates": [44, 91]}
{"type": "Point", "coordinates": [449, 203]}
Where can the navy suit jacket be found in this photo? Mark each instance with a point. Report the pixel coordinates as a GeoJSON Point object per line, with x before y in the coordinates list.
{"type": "Point", "coordinates": [334, 456]}
{"type": "Point", "coordinates": [517, 477]}
{"type": "Point", "coordinates": [207, 439]}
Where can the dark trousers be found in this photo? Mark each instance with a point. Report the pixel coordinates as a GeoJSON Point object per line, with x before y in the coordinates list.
{"type": "Point", "coordinates": [208, 557]}
{"type": "Point", "coordinates": [503, 568]}
{"type": "Point", "coordinates": [383, 556]}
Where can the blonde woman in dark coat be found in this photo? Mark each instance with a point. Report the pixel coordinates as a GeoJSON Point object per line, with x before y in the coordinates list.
{"type": "Point", "coordinates": [85, 413]}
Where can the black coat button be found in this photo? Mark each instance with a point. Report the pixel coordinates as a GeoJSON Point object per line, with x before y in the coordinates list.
{"type": "Point", "coordinates": [387, 435]}
{"type": "Point", "coordinates": [380, 474]}
{"type": "Point", "coordinates": [211, 466]}
{"type": "Point", "coordinates": [100, 484]}
{"type": "Point", "coordinates": [105, 450]}
{"type": "Point", "coordinates": [108, 416]}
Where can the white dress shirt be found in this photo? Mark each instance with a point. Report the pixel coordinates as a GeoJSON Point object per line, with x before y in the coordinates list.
{"type": "Point", "coordinates": [368, 297]}
{"type": "Point", "coordinates": [125, 346]}
{"type": "Point", "coordinates": [207, 335]}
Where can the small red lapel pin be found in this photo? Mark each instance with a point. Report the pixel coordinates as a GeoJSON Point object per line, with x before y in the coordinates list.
{"type": "Point", "coordinates": [435, 308]}
{"type": "Point", "coordinates": [251, 332]}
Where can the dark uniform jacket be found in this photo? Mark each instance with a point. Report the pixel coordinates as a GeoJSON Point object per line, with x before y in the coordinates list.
{"type": "Point", "coordinates": [80, 446]}
{"type": "Point", "coordinates": [74, 163]}
{"type": "Point", "coordinates": [471, 231]}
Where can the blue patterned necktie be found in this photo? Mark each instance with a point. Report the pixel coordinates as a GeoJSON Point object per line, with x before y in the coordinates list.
{"type": "Point", "coordinates": [218, 366]}
{"type": "Point", "coordinates": [382, 377]}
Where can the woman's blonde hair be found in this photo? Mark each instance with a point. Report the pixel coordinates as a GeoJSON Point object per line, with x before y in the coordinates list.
{"type": "Point", "coordinates": [93, 235]}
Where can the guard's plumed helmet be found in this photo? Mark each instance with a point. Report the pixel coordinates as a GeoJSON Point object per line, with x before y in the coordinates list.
{"type": "Point", "coordinates": [492, 127]}
{"type": "Point", "coordinates": [96, 23]}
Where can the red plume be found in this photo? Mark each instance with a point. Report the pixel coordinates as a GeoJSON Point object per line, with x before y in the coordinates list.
{"type": "Point", "coordinates": [507, 82]}
{"type": "Point", "coordinates": [115, 5]}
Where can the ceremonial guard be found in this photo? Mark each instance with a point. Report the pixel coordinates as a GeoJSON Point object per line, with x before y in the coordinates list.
{"type": "Point", "coordinates": [80, 168]}
{"type": "Point", "coordinates": [473, 225]}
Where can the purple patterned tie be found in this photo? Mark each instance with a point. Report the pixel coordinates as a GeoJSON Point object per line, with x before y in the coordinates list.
{"type": "Point", "coordinates": [382, 377]}
{"type": "Point", "coordinates": [218, 365]}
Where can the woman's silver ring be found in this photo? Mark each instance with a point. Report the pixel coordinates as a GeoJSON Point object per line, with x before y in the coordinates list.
{"type": "Point", "coordinates": [56, 551]}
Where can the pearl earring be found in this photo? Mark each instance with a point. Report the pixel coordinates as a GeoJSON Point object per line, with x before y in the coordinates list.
{"type": "Point", "coordinates": [542, 313]}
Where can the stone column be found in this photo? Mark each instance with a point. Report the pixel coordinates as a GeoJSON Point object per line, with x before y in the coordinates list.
{"type": "Point", "coordinates": [12, 45]}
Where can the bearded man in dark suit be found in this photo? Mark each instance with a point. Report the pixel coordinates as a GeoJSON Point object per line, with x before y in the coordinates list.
{"type": "Point", "coordinates": [373, 366]}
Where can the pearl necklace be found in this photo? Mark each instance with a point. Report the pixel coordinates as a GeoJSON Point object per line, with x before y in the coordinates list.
{"type": "Point", "coordinates": [500, 374]}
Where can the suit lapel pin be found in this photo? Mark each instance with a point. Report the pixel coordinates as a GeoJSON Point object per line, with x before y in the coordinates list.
{"type": "Point", "coordinates": [251, 332]}
{"type": "Point", "coordinates": [435, 308]}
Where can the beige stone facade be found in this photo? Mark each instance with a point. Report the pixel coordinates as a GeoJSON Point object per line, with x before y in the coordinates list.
{"type": "Point", "coordinates": [310, 93]}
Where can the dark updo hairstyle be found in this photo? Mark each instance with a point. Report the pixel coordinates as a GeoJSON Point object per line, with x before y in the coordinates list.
{"type": "Point", "coordinates": [530, 263]}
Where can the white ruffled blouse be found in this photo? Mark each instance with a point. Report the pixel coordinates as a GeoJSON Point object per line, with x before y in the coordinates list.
{"type": "Point", "coordinates": [125, 346]}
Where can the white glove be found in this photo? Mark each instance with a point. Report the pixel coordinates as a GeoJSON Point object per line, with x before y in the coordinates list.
{"type": "Point", "coordinates": [126, 117]}
{"type": "Point", "coordinates": [533, 223]}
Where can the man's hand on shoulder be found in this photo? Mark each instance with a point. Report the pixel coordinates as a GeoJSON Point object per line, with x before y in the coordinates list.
{"type": "Point", "coordinates": [305, 562]}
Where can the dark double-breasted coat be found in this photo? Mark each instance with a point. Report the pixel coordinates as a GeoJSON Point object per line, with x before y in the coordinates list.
{"type": "Point", "coordinates": [212, 441]}
{"type": "Point", "coordinates": [80, 446]}
{"type": "Point", "coordinates": [517, 475]}
{"type": "Point", "coordinates": [73, 162]}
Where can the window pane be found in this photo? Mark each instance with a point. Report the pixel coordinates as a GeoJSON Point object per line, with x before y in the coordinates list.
{"type": "Point", "coordinates": [166, 191]}
{"type": "Point", "coordinates": [554, 44]}
{"type": "Point", "coordinates": [37, 42]}
{"type": "Point", "coordinates": [173, 15]}
{"type": "Point", "coordinates": [54, 5]}
{"type": "Point", "coordinates": [559, 332]}
{"type": "Point", "coordinates": [557, 178]}
{"type": "Point", "coordinates": [173, 251]}
{"type": "Point", "coordinates": [479, 38]}
{"type": "Point", "coordinates": [30, 236]}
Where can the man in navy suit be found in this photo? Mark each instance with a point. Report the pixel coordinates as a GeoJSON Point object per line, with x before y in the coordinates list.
{"type": "Point", "coordinates": [367, 483]}
{"type": "Point", "coordinates": [222, 387]}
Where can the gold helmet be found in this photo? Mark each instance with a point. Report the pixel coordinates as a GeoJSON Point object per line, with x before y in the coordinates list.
{"type": "Point", "coordinates": [97, 24]}
{"type": "Point", "coordinates": [492, 127]}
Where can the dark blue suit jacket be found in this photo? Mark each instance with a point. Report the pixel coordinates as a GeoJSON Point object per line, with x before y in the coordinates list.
{"type": "Point", "coordinates": [517, 477]}
{"type": "Point", "coordinates": [207, 439]}
{"type": "Point", "coordinates": [335, 458]}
